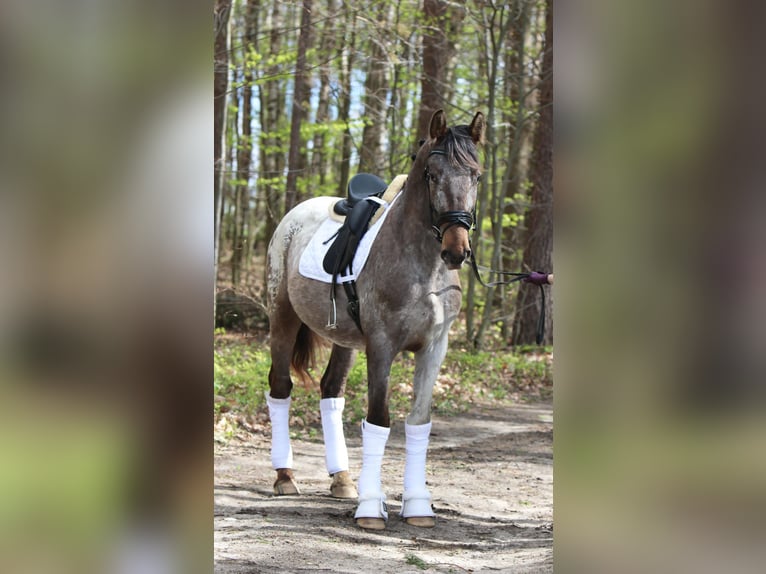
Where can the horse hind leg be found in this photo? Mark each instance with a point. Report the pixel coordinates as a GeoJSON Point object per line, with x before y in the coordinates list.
{"type": "Point", "coordinates": [331, 406]}
{"type": "Point", "coordinates": [285, 334]}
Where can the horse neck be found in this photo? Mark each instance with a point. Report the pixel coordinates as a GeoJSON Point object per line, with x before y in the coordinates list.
{"type": "Point", "coordinates": [413, 220]}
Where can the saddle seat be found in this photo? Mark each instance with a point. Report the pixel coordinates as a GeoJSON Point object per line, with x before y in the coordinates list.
{"type": "Point", "coordinates": [361, 186]}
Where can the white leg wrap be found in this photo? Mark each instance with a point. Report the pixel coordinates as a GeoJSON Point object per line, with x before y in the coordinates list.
{"type": "Point", "coordinates": [416, 500]}
{"type": "Point", "coordinates": [336, 455]}
{"type": "Point", "coordinates": [281, 450]}
{"type": "Point", "coordinates": [371, 497]}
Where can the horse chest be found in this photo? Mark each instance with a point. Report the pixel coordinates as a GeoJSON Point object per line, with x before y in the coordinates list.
{"type": "Point", "coordinates": [428, 316]}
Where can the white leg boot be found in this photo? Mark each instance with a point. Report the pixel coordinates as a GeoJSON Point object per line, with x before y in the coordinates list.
{"type": "Point", "coordinates": [416, 500]}
{"type": "Point", "coordinates": [281, 449]}
{"type": "Point", "coordinates": [372, 511]}
{"type": "Point", "coordinates": [336, 453]}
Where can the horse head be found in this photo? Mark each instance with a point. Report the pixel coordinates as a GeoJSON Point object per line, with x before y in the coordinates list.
{"type": "Point", "coordinates": [452, 174]}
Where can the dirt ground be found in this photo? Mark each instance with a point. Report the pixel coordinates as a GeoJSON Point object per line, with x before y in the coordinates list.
{"type": "Point", "coordinates": [490, 473]}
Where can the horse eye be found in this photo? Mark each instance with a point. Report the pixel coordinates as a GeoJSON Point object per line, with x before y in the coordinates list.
{"type": "Point", "coordinates": [478, 178]}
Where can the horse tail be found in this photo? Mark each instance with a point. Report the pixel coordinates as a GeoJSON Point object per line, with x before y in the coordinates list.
{"type": "Point", "coordinates": [304, 352]}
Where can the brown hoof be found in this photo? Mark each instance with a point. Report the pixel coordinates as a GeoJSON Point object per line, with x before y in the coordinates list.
{"type": "Point", "coordinates": [421, 521]}
{"type": "Point", "coordinates": [285, 483]}
{"type": "Point", "coordinates": [342, 486]}
{"type": "Point", "coordinates": [371, 523]}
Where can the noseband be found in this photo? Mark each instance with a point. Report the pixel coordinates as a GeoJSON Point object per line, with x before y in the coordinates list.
{"type": "Point", "coordinates": [464, 219]}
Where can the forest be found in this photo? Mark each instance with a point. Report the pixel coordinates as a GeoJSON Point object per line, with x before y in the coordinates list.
{"type": "Point", "coordinates": [309, 93]}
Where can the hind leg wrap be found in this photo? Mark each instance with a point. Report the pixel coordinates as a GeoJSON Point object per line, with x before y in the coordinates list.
{"type": "Point", "coordinates": [281, 449]}
{"type": "Point", "coordinates": [336, 454]}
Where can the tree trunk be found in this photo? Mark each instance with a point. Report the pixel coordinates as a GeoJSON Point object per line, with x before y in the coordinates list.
{"type": "Point", "coordinates": [220, 86]}
{"type": "Point", "coordinates": [318, 157]}
{"type": "Point", "coordinates": [495, 29]}
{"type": "Point", "coordinates": [347, 68]}
{"type": "Point", "coordinates": [271, 154]}
{"type": "Point", "coordinates": [438, 52]}
{"type": "Point", "coordinates": [400, 143]}
{"type": "Point", "coordinates": [371, 156]}
{"type": "Point", "coordinates": [245, 148]}
{"type": "Point", "coordinates": [515, 173]}
{"type": "Point", "coordinates": [296, 160]}
{"type": "Point", "coordinates": [539, 217]}
{"type": "Point", "coordinates": [229, 191]}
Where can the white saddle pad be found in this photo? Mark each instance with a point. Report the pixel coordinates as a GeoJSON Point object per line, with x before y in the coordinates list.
{"type": "Point", "coordinates": [312, 257]}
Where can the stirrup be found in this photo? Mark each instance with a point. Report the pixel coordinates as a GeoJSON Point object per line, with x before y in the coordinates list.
{"type": "Point", "coordinates": [332, 318]}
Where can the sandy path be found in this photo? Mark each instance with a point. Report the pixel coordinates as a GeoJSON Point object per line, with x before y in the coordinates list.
{"type": "Point", "coordinates": [490, 472]}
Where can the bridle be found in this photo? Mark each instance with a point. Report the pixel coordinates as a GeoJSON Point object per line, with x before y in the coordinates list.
{"type": "Point", "coordinates": [464, 219]}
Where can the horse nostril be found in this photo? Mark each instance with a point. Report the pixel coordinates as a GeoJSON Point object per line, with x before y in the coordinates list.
{"type": "Point", "coordinates": [453, 261]}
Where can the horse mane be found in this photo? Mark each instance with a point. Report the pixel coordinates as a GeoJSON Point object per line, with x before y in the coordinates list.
{"type": "Point", "coordinates": [459, 147]}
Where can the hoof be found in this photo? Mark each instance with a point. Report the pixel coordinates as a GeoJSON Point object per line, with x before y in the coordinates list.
{"type": "Point", "coordinates": [371, 523]}
{"type": "Point", "coordinates": [285, 484]}
{"type": "Point", "coordinates": [417, 510]}
{"type": "Point", "coordinates": [421, 521]}
{"type": "Point", "coordinates": [372, 512]}
{"type": "Point", "coordinates": [342, 486]}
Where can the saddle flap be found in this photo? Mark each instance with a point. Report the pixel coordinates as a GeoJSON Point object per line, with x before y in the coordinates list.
{"type": "Point", "coordinates": [343, 248]}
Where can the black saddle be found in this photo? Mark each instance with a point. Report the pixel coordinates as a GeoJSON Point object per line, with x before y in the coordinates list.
{"type": "Point", "coordinates": [361, 186]}
{"type": "Point", "coordinates": [358, 214]}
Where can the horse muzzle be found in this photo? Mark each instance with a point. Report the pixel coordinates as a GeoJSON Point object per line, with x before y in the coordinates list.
{"type": "Point", "coordinates": [454, 260]}
{"type": "Point", "coordinates": [451, 229]}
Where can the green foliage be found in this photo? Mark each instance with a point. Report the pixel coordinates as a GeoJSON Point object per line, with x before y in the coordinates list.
{"type": "Point", "coordinates": [512, 219]}
{"type": "Point", "coordinates": [240, 373]}
{"type": "Point", "coordinates": [467, 378]}
{"type": "Point", "coordinates": [419, 563]}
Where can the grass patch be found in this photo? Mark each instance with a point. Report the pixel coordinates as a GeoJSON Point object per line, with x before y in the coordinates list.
{"type": "Point", "coordinates": [240, 374]}
{"type": "Point", "coordinates": [467, 378]}
{"type": "Point", "coordinates": [416, 561]}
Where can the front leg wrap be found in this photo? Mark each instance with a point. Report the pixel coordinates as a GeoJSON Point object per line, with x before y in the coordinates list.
{"type": "Point", "coordinates": [372, 500]}
{"type": "Point", "coordinates": [416, 500]}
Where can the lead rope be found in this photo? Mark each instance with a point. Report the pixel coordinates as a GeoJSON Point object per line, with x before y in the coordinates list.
{"type": "Point", "coordinates": [535, 278]}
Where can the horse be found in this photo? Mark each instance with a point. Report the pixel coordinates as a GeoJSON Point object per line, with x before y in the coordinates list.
{"type": "Point", "coordinates": [409, 294]}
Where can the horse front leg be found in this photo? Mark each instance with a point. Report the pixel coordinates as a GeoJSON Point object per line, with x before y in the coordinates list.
{"type": "Point", "coordinates": [416, 499]}
{"type": "Point", "coordinates": [372, 512]}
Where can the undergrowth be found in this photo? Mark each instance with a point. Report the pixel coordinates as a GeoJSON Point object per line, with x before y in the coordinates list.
{"type": "Point", "coordinates": [467, 378]}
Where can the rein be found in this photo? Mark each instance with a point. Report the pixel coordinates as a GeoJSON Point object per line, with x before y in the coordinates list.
{"type": "Point", "coordinates": [466, 220]}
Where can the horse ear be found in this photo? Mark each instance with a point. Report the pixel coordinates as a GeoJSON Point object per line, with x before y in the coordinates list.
{"type": "Point", "coordinates": [438, 124]}
{"type": "Point", "coordinates": [477, 128]}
